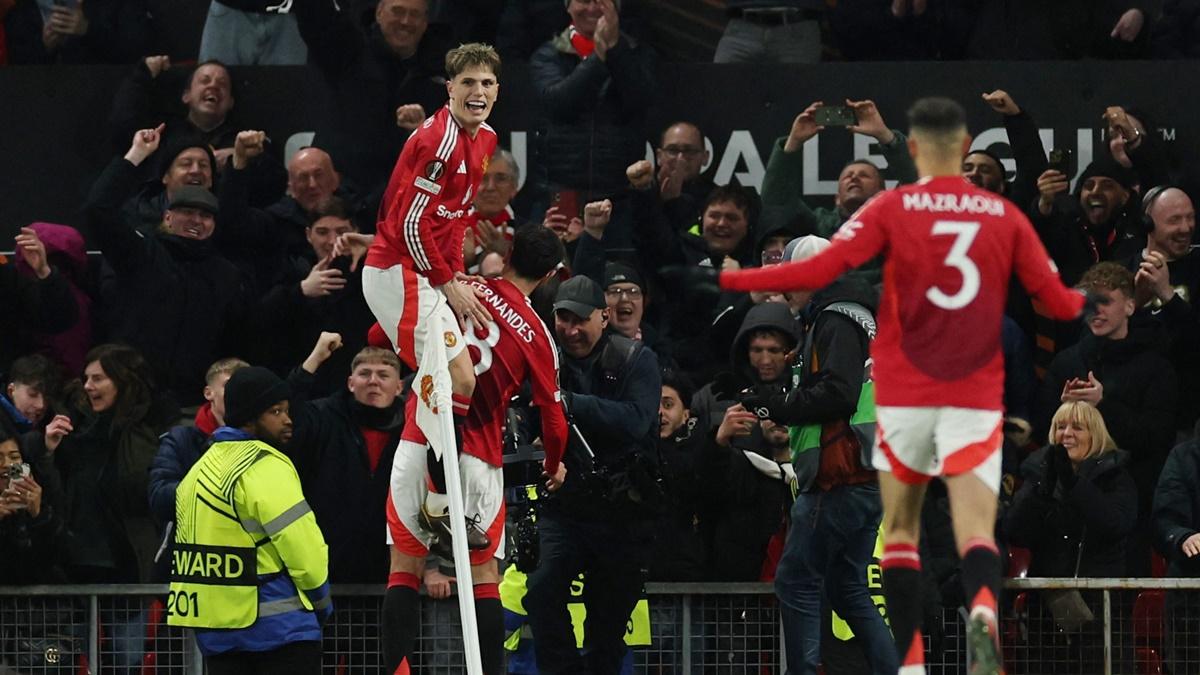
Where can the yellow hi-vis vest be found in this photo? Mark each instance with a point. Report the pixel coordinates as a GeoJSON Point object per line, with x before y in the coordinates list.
{"type": "Point", "coordinates": [230, 534]}
{"type": "Point", "coordinates": [841, 629]}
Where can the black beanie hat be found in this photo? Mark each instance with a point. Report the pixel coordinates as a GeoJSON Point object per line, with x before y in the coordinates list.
{"type": "Point", "coordinates": [1108, 167]}
{"type": "Point", "coordinates": [176, 146]}
{"type": "Point", "coordinates": [250, 392]}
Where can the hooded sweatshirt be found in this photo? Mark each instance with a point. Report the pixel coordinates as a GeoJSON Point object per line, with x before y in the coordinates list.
{"type": "Point", "coordinates": [710, 403]}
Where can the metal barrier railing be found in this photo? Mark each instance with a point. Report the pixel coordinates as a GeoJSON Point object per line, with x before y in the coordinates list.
{"type": "Point", "coordinates": [1083, 626]}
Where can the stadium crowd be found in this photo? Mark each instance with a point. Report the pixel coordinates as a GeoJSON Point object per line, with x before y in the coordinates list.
{"type": "Point", "coordinates": [217, 254]}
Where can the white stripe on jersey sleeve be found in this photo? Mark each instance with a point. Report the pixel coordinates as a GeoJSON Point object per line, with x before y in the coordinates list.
{"type": "Point", "coordinates": [412, 232]}
{"type": "Point", "coordinates": [449, 140]}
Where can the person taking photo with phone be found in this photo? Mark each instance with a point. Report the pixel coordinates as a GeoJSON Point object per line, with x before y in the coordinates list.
{"type": "Point", "coordinates": [859, 180]}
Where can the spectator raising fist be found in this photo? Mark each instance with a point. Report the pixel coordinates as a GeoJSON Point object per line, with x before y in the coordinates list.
{"type": "Point", "coordinates": [247, 146]}
{"type": "Point", "coordinates": [1002, 103]}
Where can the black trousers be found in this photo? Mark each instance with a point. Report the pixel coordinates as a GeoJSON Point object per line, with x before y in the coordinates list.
{"type": "Point", "coordinates": [295, 658]}
{"type": "Point", "coordinates": [611, 556]}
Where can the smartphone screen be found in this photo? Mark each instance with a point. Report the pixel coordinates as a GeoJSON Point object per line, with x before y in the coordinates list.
{"type": "Point", "coordinates": [1060, 160]}
{"type": "Point", "coordinates": [835, 116]}
{"type": "Point", "coordinates": [568, 204]}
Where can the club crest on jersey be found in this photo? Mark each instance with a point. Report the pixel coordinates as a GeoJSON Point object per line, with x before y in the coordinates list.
{"type": "Point", "coordinates": [427, 393]}
{"type": "Point", "coordinates": [450, 339]}
{"type": "Point", "coordinates": [486, 161]}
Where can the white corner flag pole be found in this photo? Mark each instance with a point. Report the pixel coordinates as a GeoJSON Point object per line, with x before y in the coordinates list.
{"type": "Point", "coordinates": [435, 419]}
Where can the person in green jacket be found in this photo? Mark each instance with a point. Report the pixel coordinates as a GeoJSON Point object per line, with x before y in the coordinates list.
{"type": "Point", "coordinates": [250, 568]}
{"type": "Point", "coordinates": [859, 180]}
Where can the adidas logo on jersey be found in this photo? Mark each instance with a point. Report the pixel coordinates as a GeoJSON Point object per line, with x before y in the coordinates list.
{"type": "Point", "coordinates": [462, 166]}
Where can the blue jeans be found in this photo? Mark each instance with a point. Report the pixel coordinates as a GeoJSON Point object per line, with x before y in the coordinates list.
{"type": "Point", "coordinates": [238, 38]}
{"type": "Point", "coordinates": [829, 546]}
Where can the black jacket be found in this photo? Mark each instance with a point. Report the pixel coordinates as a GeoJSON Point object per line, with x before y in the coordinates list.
{"type": "Point", "coordinates": [368, 82]}
{"type": "Point", "coordinates": [594, 113]}
{"type": "Point", "coordinates": [39, 305]}
{"type": "Point", "coordinates": [33, 547]}
{"type": "Point", "coordinates": [118, 32]}
{"type": "Point", "coordinates": [1140, 397]}
{"type": "Point", "coordinates": [178, 451]}
{"type": "Point", "coordinates": [1073, 243]}
{"type": "Point", "coordinates": [830, 381]}
{"type": "Point", "coordinates": [612, 397]}
{"type": "Point", "coordinates": [841, 347]}
{"type": "Point", "coordinates": [680, 553]}
{"type": "Point", "coordinates": [1088, 523]}
{"type": "Point", "coordinates": [1029, 155]}
{"type": "Point", "coordinates": [743, 509]}
{"type": "Point", "coordinates": [295, 322]}
{"type": "Point", "coordinates": [1176, 514]}
{"type": "Point", "coordinates": [106, 465]}
{"type": "Point", "coordinates": [262, 241]}
{"type": "Point", "coordinates": [1177, 34]}
{"type": "Point", "coordinates": [713, 399]}
{"type": "Point", "coordinates": [347, 496]}
{"type": "Point", "coordinates": [178, 302]}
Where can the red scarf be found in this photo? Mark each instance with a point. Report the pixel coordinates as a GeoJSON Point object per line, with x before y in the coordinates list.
{"type": "Point", "coordinates": [498, 221]}
{"type": "Point", "coordinates": [376, 442]}
{"type": "Point", "coordinates": [206, 422]}
{"type": "Point", "coordinates": [584, 45]}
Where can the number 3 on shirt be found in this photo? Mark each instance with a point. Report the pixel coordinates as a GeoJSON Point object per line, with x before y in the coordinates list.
{"type": "Point", "coordinates": [484, 345]}
{"type": "Point", "coordinates": [964, 234]}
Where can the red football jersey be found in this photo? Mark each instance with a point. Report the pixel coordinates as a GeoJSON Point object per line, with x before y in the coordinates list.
{"type": "Point", "coordinates": [949, 251]}
{"type": "Point", "coordinates": [513, 347]}
{"type": "Point", "coordinates": [431, 189]}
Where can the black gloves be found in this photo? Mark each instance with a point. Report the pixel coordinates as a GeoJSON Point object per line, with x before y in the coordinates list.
{"type": "Point", "coordinates": [1046, 487]}
{"type": "Point", "coordinates": [762, 400]}
{"type": "Point", "coordinates": [1058, 470]}
{"type": "Point", "coordinates": [693, 277]}
{"type": "Point", "coordinates": [1062, 466]}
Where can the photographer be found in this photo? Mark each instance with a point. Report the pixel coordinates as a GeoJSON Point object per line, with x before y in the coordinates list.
{"type": "Point", "coordinates": [600, 522]}
{"type": "Point", "coordinates": [836, 515]}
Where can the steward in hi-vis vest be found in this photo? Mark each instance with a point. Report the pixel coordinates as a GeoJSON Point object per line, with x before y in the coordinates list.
{"type": "Point", "coordinates": [250, 566]}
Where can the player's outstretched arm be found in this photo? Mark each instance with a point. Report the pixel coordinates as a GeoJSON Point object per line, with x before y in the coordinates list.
{"type": "Point", "coordinates": [1039, 275]}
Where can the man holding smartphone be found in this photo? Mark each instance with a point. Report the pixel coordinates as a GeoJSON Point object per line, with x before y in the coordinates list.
{"type": "Point", "coordinates": [858, 181]}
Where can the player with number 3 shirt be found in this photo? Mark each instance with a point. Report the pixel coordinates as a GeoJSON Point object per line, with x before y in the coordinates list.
{"type": "Point", "coordinates": [949, 251]}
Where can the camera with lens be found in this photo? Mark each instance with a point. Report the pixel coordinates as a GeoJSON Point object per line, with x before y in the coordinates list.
{"type": "Point", "coordinates": [523, 482]}
{"type": "Point", "coordinates": [629, 483]}
{"type": "Point", "coordinates": [524, 550]}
